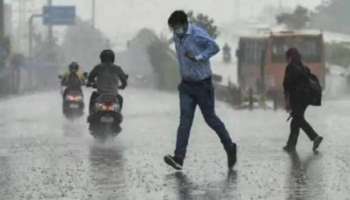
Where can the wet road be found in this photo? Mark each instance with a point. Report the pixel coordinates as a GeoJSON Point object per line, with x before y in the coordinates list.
{"type": "Point", "coordinates": [44, 156]}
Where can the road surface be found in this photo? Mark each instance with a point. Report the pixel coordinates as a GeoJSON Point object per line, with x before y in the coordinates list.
{"type": "Point", "coordinates": [45, 156]}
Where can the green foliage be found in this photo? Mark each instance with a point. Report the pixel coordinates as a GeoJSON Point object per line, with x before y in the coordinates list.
{"type": "Point", "coordinates": [5, 50]}
{"type": "Point", "coordinates": [205, 22]}
{"type": "Point", "coordinates": [296, 20]}
{"type": "Point", "coordinates": [333, 16]}
{"type": "Point", "coordinates": [163, 60]}
{"type": "Point", "coordinates": [338, 54]}
{"type": "Point", "coordinates": [83, 43]}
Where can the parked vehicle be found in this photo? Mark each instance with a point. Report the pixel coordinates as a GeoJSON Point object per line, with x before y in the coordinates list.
{"type": "Point", "coordinates": [261, 63]}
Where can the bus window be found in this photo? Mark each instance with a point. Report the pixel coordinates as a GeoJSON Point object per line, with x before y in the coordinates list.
{"type": "Point", "coordinates": [309, 47]}
{"type": "Point", "coordinates": [252, 51]}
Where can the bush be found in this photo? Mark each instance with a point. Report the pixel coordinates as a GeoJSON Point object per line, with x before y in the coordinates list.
{"type": "Point", "coordinates": [338, 54]}
{"type": "Point", "coordinates": [296, 20]}
{"type": "Point", "coordinates": [165, 65]}
{"type": "Point", "coordinates": [205, 22]}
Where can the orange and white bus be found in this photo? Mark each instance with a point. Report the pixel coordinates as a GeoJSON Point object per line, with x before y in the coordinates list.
{"type": "Point", "coordinates": [262, 62]}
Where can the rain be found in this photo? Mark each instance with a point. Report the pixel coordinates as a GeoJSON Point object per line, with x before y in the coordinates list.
{"type": "Point", "coordinates": [52, 149]}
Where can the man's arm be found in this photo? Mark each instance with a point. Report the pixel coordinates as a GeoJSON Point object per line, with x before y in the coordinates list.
{"type": "Point", "coordinates": [93, 75]}
{"type": "Point", "coordinates": [64, 79]}
{"type": "Point", "coordinates": [289, 79]}
{"type": "Point", "coordinates": [123, 77]}
{"type": "Point", "coordinates": [287, 86]}
{"type": "Point", "coordinates": [210, 47]}
{"type": "Point", "coordinates": [286, 81]}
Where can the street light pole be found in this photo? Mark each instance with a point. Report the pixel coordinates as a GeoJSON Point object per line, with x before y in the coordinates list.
{"type": "Point", "coordinates": [238, 9]}
{"type": "Point", "coordinates": [31, 32]}
{"type": "Point", "coordinates": [2, 20]}
{"type": "Point", "coordinates": [93, 12]}
{"type": "Point", "coordinates": [280, 5]}
{"type": "Point", "coordinates": [50, 28]}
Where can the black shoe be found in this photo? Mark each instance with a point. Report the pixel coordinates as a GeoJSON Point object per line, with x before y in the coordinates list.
{"type": "Point", "coordinates": [174, 161]}
{"type": "Point", "coordinates": [317, 143]}
{"type": "Point", "coordinates": [231, 152]}
{"type": "Point", "coordinates": [289, 149]}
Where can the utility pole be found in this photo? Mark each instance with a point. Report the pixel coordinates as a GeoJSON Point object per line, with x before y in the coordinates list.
{"type": "Point", "coordinates": [238, 9]}
{"type": "Point", "coordinates": [50, 28]}
{"type": "Point", "coordinates": [280, 5]}
{"type": "Point", "coordinates": [2, 19]}
{"type": "Point", "coordinates": [21, 26]}
{"type": "Point", "coordinates": [31, 32]}
{"type": "Point", "coordinates": [93, 13]}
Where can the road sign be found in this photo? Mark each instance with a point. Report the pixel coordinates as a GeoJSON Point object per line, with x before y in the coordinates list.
{"type": "Point", "coordinates": [59, 15]}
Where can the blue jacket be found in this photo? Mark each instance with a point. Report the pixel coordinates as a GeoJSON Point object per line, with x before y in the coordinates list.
{"type": "Point", "coordinates": [198, 42]}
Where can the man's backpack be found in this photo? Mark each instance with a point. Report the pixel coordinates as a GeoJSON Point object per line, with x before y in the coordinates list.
{"type": "Point", "coordinates": [314, 96]}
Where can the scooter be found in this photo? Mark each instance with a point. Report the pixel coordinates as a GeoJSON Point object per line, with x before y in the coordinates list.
{"type": "Point", "coordinates": [105, 117]}
{"type": "Point", "coordinates": [73, 103]}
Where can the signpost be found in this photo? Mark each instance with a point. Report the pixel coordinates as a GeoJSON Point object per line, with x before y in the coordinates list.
{"type": "Point", "coordinates": [30, 42]}
{"type": "Point", "coordinates": [52, 16]}
{"type": "Point", "coordinates": [2, 20]}
{"type": "Point", "coordinates": [59, 15]}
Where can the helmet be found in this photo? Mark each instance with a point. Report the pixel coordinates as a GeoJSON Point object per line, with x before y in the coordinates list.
{"type": "Point", "coordinates": [107, 56]}
{"type": "Point", "coordinates": [74, 66]}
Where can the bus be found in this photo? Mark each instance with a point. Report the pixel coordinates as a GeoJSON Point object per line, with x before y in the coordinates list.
{"type": "Point", "coordinates": [262, 62]}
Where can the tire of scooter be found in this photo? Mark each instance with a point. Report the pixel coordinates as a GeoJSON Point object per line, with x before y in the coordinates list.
{"type": "Point", "coordinates": [99, 129]}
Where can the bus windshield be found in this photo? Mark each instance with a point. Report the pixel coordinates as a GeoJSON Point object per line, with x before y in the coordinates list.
{"type": "Point", "coordinates": [309, 47]}
{"type": "Point", "coordinates": [252, 51]}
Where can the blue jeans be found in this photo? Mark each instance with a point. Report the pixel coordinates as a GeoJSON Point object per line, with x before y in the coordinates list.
{"type": "Point", "coordinates": [191, 95]}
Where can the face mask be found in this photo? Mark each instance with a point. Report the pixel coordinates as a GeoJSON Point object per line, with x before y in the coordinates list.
{"type": "Point", "coordinates": [179, 31]}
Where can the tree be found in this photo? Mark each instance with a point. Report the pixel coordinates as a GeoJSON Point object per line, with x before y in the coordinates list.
{"type": "Point", "coordinates": [296, 20]}
{"type": "Point", "coordinates": [333, 15]}
{"type": "Point", "coordinates": [5, 48]}
{"type": "Point", "coordinates": [205, 22]}
{"type": "Point", "coordinates": [338, 54]}
{"type": "Point", "coordinates": [83, 43]}
{"type": "Point", "coordinates": [165, 65]}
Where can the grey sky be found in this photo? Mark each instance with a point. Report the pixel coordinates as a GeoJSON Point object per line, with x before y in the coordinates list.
{"type": "Point", "coordinates": [122, 18]}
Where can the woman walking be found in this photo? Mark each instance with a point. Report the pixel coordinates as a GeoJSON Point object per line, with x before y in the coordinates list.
{"type": "Point", "coordinates": [296, 96]}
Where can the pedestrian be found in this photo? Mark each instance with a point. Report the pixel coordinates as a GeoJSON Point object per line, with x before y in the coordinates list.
{"type": "Point", "coordinates": [194, 48]}
{"type": "Point", "coordinates": [296, 96]}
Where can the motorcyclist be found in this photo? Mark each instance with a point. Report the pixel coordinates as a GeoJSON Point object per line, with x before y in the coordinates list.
{"type": "Point", "coordinates": [74, 79]}
{"type": "Point", "coordinates": [107, 77]}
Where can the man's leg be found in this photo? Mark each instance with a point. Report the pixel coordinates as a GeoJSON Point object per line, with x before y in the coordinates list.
{"type": "Point", "coordinates": [121, 101]}
{"type": "Point", "coordinates": [64, 102]}
{"type": "Point", "coordinates": [206, 102]}
{"type": "Point", "coordinates": [294, 134]}
{"type": "Point", "coordinates": [65, 92]}
{"type": "Point", "coordinates": [187, 111]}
{"type": "Point", "coordinates": [93, 98]}
{"type": "Point", "coordinates": [310, 132]}
{"type": "Point", "coordinates": [297, 119]}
